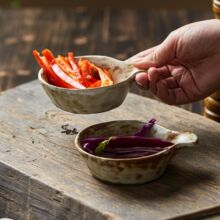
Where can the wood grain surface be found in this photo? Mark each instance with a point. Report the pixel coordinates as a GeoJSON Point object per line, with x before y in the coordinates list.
{"type": "Point", "coordinates": [43, 176]}
{"type": "Point", "coordinates": [118, 33]}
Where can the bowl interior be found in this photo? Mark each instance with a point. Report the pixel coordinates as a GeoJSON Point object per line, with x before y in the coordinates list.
{"type": "Point", "coordinates": [119, 70]}
{"type": "Point", "coordinates": [123, 128]}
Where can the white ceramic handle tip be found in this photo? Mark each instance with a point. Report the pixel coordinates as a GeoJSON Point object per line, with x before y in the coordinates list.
{"type": "Point", "coordinates": [186, 139]}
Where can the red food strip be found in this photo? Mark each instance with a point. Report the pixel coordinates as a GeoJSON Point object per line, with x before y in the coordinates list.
{"type": "Point", "coordinates": [73, 63]}
{"type": "Point", "coordinates": [52, 77]}
{"type": "Point", "coordinates": [48, 55]}
{"type": "Point", "coordinates": [65, 77]}
{"type": "Point", "coordinates": [67, 72]}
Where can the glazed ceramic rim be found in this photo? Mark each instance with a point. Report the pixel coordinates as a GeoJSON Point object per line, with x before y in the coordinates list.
{"type": "Point", "coordinates": [79, 148]}
{"type": "Point", "coordinates": [42, 80]}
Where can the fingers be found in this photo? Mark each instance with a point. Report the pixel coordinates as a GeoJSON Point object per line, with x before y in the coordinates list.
{"type": "Point", "coordinates": [171, 82]}
{"type": "Point", "coordinates": [159, 76]}
{"type": "Point", "coordinates": [158, 56]}
{"type": "Point", "coordinates": [171, 96]}
{"type": "Point", "coordinates": [180, 96]}
{"type": "Point", "coordinates": [163, 92]}
{"type": "Point", "coordinates": [162, 84]}
{"type": "Point", "coordinates": [159, 86]}
{"type": "Point", "coordinates": [140, 55]}
{"type": "Point", "coordinates": [148, 80]}
{"type": "Point", "coordinates": [142, 80]}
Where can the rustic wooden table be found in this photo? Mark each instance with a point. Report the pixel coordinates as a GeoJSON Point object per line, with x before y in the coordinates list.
{"type": "Point", "coordinates": [42, 176]}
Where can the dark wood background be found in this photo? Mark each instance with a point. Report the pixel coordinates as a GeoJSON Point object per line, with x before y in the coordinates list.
{"type": "Point", "coordinates": [165, 4]}
{"type": "Point", "coordinates": [113, 32]}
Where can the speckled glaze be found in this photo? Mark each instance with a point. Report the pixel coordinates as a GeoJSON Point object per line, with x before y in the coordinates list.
{"type": "Point", "coordinates": [131, 170]}
{"type": "Point", "coordinates": [95, 100]}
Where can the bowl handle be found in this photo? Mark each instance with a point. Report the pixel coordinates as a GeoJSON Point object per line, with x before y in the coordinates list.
{"type": "Point", "coordinates": [186, 139]}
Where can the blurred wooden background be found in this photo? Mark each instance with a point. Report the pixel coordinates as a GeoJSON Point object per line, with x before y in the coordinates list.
{"type": "Point", "coordinates": [147, 4]}
{"type": "Point", "coordinates": [114, 31]}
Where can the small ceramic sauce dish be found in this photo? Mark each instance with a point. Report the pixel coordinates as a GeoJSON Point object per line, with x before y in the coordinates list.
{"type": "Point", "coordinates": [131, 170]}
{"type": "Point", "coordinates": [93, 100]}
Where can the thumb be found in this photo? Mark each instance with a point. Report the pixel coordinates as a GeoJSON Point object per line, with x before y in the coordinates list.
{"type": "Point", "coordinates": [162, 55]}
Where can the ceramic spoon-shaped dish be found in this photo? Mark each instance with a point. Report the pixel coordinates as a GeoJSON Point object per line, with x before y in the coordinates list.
{"type": "Point", "coordinates": [132, 170]}
{"type": "Point", "coordinates": [93, 100]}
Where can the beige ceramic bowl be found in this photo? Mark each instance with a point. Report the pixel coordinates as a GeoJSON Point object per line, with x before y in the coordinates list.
{"type": "Point", "coordinates": [131, 170]}
{"type": "Point", "coordinates": [95, 100]}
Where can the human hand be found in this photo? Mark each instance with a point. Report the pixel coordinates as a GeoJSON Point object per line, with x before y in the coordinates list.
{"type": "Point", "coordinates": [185, 67]}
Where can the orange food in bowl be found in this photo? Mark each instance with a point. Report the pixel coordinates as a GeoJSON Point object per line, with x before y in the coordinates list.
{"type": "Point", "coordinates": [68, 72]}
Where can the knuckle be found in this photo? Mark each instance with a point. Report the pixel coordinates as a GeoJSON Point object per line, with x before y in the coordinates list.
{"type": "Point", "coordinates": [154, 56]}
